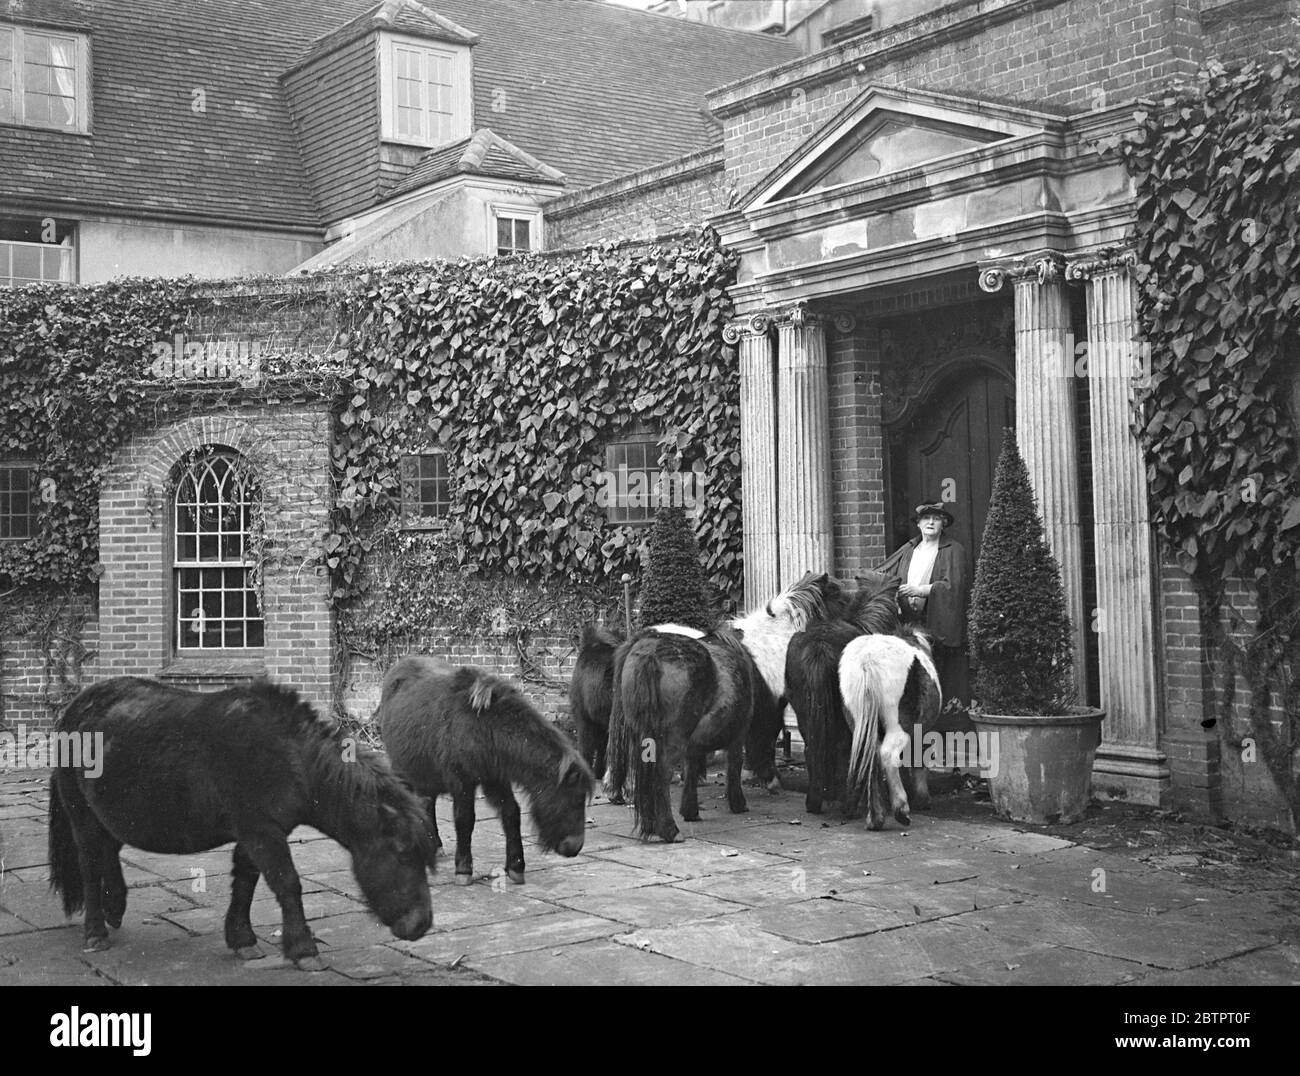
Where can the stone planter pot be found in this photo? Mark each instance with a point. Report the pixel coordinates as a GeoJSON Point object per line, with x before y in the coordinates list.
{"type": "Point", "coordinates": [1044, 764]}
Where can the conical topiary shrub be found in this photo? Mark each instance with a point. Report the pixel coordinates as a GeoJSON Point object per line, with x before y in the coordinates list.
{"type": "Point", "coordinates": [673, 586]}
{"type": "Point", "coordinates": [1019, 629]}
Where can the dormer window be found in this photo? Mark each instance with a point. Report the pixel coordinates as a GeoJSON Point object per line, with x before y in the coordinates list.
{"type": "Point", "coordinates": [43, 79]}
{"type": "Point", "coordinates": [426, 91]}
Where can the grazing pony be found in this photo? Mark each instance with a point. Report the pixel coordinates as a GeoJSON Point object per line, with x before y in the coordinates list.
{"type": "Point", "coordinates": [676, 698]}
{"type": "Point", "coordinates": [450, 729]}
{"type": "Point", "coordinates": [767, 632]}
{"type": "Point", "coordinates": [187, 771]}
{"type": "Point", "coordinates": [812, 675]}
{"type": "Point", "coordinates": [888, 682]}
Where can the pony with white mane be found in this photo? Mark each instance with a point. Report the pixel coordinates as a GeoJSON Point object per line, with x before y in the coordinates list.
{"type": "Point", "coordinates": [887, 682]}
{"type": "Point", "coordinates": [767, 632]}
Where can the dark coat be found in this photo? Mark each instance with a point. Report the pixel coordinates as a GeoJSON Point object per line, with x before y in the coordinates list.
{"type": "Point", "coordinates": [945, 609]}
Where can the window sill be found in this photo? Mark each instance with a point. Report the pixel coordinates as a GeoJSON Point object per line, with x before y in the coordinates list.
{"type": "Point", "coordinates": [214, 668]}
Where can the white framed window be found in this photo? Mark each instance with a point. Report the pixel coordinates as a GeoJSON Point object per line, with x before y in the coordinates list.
{"type": "Point", "coordinates": [215, 597]}
{"type": "Point", "coordinates": [514, 228]}
{"type": "Point", "coordinates": [35, 250]}
{"type": "Point", "coordinates": [44, 79]}
{"type": "Point", "coordinates": [425, 90]}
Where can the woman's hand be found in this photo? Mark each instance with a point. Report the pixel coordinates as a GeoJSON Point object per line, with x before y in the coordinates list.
{"type": "Point", "coordinates": [907, 590]}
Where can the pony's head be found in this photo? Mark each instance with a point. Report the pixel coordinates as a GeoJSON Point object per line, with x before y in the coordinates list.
{"type": "Point", "coordinates": [390, 861]}
{"type": "Point", "coordinates": [815, 597]}
{"type": "Point", "coordinates": [560, 810]}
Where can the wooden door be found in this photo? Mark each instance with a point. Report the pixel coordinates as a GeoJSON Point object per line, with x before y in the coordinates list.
{"type": "Point", "coordinates": [952, 447]}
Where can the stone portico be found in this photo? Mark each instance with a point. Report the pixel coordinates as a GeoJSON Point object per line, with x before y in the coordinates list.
{"type": "Point", "coordinates": [921, 271]}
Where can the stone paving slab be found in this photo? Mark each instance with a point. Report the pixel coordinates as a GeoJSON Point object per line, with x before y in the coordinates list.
{"type": "Point", "coordinates": [476, 944]}
{"type": "Point", "coordinates": [957, 898]}
{"type": "Point", "coordinates": [602, 963]}
{"type": "Point", "coordinates": [1047, 966]}
{"type": "Point", "coordinates": [651, 906]}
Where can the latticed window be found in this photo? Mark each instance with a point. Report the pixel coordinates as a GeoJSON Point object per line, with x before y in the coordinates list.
{"type": "Point", "coordinates": [17, 501]}
{"type": "Point", "coordinates": [426, 490]}
{"type": "Point", "coordinates": [631, 474]}
{"type": "Point", "coordinates": [216, 601]}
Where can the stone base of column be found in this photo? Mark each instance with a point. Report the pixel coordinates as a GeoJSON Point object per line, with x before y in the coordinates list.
{"type": "Point", "coordinates": [1131, 773]}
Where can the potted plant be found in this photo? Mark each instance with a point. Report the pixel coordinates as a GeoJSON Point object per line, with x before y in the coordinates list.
{"type": "Point", "coordinates": [1041, 746]}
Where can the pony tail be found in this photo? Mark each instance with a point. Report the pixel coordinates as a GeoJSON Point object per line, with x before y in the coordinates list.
{"type": "Point", "coordinates": [817, 699]}
{"type": "Point", "coordinates": [642, 721]}
{"type": "Point", "coordinates": [65, 867]}
{"type": "Point", "coordinates": [861, 690]}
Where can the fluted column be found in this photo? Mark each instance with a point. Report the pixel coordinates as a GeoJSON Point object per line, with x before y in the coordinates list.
{"type": "Point", "coordinates": [758, 461]}
{"type": "Point", "coordinates": [1130, 755]}
{"type": "Point", "coordinates": [1046, 428]}
{"type": "Point", "coordinates": [803, 448]}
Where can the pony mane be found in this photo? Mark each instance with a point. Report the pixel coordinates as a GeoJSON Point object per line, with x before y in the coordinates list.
{"type": "Point", "coordinates": [874, 608]}
{"type": "Point", "coordinates": [354, 775]}
{"type": "Point", "coordinates": [597, 635]}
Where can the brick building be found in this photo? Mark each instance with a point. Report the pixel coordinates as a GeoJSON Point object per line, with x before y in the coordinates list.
{"type": "Point", "coordinates": [929, 239]}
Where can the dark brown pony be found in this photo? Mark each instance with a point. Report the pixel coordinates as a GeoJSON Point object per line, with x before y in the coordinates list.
{"type": "Point", "coordinates": [590, 695]}
{"type": "Point", "coordinates": [812, 676]}
{"type": "Point", "coordinates": [450, 729]}
{"type": "Point", "coordinates": [187, 771]}
{"type": "Point", "coordinates": [677, 698]}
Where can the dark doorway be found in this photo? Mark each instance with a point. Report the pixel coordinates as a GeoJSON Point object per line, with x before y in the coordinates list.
{"type": "Point", "coordinates": [947, 449]}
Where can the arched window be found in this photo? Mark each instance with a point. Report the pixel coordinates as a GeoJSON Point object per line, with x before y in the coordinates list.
{"type": "Point", "coordinates": [215, 599]}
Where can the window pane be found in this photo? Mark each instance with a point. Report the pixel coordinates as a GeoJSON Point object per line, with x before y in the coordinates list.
{"type": "Point", "coordinates": [521, 235]}
{"type": "Point", "coordinates": [504, 237]}
{"type": "Point", "coordinates": [6, 44]}
{"type": "Point", "coordinates": [26, 262]}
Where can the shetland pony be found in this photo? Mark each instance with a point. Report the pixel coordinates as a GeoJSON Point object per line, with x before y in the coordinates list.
{"type": "Point", "coordinates": [591, 687]}
{"type": "Point", "coordinates": [589, 693]}
{"type": "Point", "coordinates": [888, 682]}
{"type": "Point", "coordinates": [767, 632]}
{"type": "Point", "coordinates": [675, 699]}
{"type": "Point", "coordinates": [450, 729]}
{"type": "Point", "coordinates": [812, 675]}
{"type": "Point", "coordinates": [187, 771]}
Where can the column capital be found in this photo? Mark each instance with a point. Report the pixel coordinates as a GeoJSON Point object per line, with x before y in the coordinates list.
{"type": "Point", "coordinates": [1083, 267]}
{"type": "Point", "coordinates": [799, 316]}
{"type": "Point", "coordinates": [756, 324]}
{"type": "Point", "coordinates": [1043, 267]}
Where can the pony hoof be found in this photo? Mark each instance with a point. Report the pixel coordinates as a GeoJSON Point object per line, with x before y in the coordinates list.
{"type": "Point", "coordinates": [903, 817]}
{"type": "Point", "coordinates": [516, 876]}
{"type": "Point", "coordinates": [464, 879]}
{"type": "Point", "coordinates": [96, 945]}
{"type": "Point", "coordinates": [250, 952]}
{"type": "Point", "coordinates": [311, 964]}
{"type": "Point", "coordinates": [774, 785]}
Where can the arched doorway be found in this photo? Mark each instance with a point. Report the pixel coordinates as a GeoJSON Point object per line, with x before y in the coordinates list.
{"type": "Point", "coordinates": [944, 445]}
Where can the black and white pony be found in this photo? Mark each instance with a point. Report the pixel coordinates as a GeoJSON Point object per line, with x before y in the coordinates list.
{"type": "Point", "coordinates": [812, 675]}
{"type": "Point", "coordinates": [888, 683]}
{"type": "Point", "coordinates": [767, 632]}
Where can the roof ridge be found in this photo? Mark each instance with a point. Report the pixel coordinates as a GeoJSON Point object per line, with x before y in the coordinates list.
{"type": "Point", "coordinates": [521, 155]}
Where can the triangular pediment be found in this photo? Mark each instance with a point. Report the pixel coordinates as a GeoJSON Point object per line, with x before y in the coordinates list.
{"type": "Point", "coordinates": [887, 131]}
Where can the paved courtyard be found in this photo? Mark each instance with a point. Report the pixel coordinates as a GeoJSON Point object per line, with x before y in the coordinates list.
{"type": "Point", "coordinates": [775, 896]}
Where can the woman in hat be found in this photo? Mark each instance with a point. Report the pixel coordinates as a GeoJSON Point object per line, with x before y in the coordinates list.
{"type": "Point", "coordinates": [934, 574]}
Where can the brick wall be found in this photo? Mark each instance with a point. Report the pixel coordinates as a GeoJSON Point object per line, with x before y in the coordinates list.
{"type": "Point", "coordinates": [857, 450]}
{"type": "Point", "coordinates": [671, 198]}
{"type": "Point", "coordinates": [1214, 773]}
{"type": "Point", "coordinates": [35, 680]}
{"type": "Point", "coordinates": [287, 445]}
{"type": "Point", "coordinates": [1056, 54]}
{"type": "Point", "coordinates": [1248, 29]}
{"type": "Point", "coordinates": [554, 655]}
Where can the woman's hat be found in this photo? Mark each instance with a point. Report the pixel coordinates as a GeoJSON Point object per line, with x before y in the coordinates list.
{"type": "Point", "coordinates": [935, 509]}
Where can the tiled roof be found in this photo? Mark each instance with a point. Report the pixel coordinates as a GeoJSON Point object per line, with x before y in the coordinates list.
{"type": "Point", "coordinates": [591, 89]}
{"type": "Point", "coordinates": [485, 154]}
